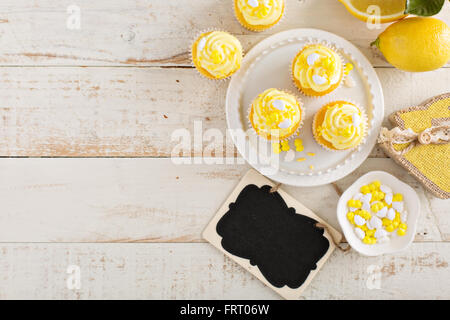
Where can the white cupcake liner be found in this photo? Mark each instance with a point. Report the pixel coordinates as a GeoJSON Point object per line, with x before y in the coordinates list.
{"type": "Point", "coordinates": [192, 57]}
{"type": "Point", "coordinates": [300, 125]}
{"type": "Point", "coordinates": [364, 119]}
{"type": "Point", "coordinates": [257, 30]}
{"type": "Point", "coordinates": [329, 46]}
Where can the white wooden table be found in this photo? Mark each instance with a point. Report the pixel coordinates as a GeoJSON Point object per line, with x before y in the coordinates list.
{"type": "Point", "coordinates": [86, 177]}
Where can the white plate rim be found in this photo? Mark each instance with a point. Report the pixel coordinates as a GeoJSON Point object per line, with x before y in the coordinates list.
{"type": "Point", "coordinates": [234, 121]}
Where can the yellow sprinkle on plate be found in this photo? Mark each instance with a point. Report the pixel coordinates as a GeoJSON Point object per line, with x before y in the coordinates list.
{"type": "Point", "coordinates": [311, 154]}
{"type": "Point", "coordinates": [301, 159]}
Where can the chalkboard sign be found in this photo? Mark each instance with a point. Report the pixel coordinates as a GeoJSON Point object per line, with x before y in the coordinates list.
{"type": "Point", "coordinates": [272, 235]}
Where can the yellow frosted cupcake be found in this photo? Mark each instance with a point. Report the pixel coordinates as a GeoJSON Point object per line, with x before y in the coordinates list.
{"type": "Point", "coordinates": [276, 115]}
{"type": "Point", "coordinates": [317, 70]}
{"type": "Point", "coordinates": [339, 125]}
{"type": "Point", "coordinates": [217, 54]}
{"type": "Point", "coordinates": [258, 15]}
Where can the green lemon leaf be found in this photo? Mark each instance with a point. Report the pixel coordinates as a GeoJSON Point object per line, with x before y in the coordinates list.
{"type": "Point", "coordinates": [424, 7]}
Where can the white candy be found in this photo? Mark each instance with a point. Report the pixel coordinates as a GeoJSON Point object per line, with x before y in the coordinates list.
{"type": "Point", "coordinates": [367, 197]}
{"type": "Point", "coordinates": [388, 198]}
{"type": "Point", "coordinates": [397, 205]}
{"type": "Point", "coordinates": [369, 225]}
{"type": "Point", "coordinates": [360, 221]}
{"type": "Point", "coordinates": [353, 209]}
{"type": "Point", "coordinates": [356, 119]}
{"type": "Point", "coordinates": [376, 222]}
{"type": "Point", "coordinates": [390, 214]}
{"type": "Point", "coordinates": [382, 212]}
{"type": "Point", "coordinates": [358, 196]}
{"type": "Point", "coordinates": [380, 233]}
{"type": "Point", "coordinates": [201, 44]}
{"type": "Point", "coordinates": [253, 3]}
{"type": "Point", "coordinates": [359, 233]}
{"type": "Point", "coordinates": [366, 206]}
{"type": "Point", "coordinates": [285, 124]}
{"type": "Point", "coordinates": [319, 79]}
{"type": "Point", "coordinates": [279, 104]}
{"type": "Point", "coordinates": [290, 156]}
{"type": "Point", "coordinates": [385, 189]}
{"type": "Point", "coordinates": [311, 59]}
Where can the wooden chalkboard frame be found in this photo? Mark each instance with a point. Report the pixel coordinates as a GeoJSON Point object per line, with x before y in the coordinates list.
{"type": "Point", "coordinates": [253, 177]}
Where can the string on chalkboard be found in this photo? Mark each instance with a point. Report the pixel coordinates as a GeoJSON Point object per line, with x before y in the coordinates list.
{"type": "Point", "coordinates": [320, 226]}
{"type": "Point", "coordinates": [275, 188]}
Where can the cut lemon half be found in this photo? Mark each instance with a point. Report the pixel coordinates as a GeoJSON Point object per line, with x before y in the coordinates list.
{"type": "Point", "coordinates": [388, 10]}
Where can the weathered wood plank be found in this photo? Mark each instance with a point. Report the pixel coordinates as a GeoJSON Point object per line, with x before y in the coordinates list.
{"type": "Point", "coordinates": [148, 200]}
{"type": "Point", "coordinates": [198, 271]}
{"type": "Point", "coordinates": [151, 32]}
{"type": "Point", "coordinates": [132, 112]}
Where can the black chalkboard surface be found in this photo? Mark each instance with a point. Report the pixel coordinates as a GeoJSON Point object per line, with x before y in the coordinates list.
{"type": "Point", "coordinates": [272, 235]}
{"type": "Point", "coordinates": [285, 246]}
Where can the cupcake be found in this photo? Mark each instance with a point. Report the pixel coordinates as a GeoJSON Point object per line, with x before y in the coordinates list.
{"type": "Point", "coordinates": [275, 115]}
{"type": "Point", "coordinates": [217, 54]}
{"type": "Point", "coordinates": [339, 125]}
{"type": "Point", "coordinates": [317, 70]}
{"type": "Point", "coordinates": [258, 15]}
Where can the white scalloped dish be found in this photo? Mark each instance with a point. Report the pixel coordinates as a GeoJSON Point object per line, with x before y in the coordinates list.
{"type": "Point", "coordinates": [412, 205]}
{"type": "Point", "coordinates": [267, 65]}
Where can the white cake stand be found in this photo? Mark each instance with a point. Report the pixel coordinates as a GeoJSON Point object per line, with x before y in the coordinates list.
{"type": "Point", "coordinates": [267, 65]}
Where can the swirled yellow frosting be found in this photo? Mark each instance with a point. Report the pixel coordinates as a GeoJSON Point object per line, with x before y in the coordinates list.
{"type": "Point", "coordinates": [318, 68]}
{"type": "Point", "coordinates": [219, 53]}
{"type": "Point", "coordinates": [343, 125]}
{"type": "Point", "coordinates": [275, 114]}
{"type": "Point", "coordinates": [260, 12]}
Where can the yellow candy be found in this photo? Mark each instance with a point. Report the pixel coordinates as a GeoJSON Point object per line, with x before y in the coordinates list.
{"type": "Point", "coordinates": [363, 228]}
{"type": "Point", "coordinates": [390, 228]}
{"type": "Point", "coordinates": [377, 195]}
{"type": "Point", "coordinates": [298, 142]}
{"type": "Point", "coordinates": [377, 206]}
{"type": "Point", "coordinates": [377, 183]}
{"type": "Point", "coordinates": [403, 226]}
{"type": "Point", "coordinates": [397, 197]}
{"type": "Point", "coordinates": [276, 147]}
{"type": "Point", "coordinates": [365, 214]}
{"type": "Point", "coordinates": [274, 117]}
{"type": "Point", "coordinates": [366, 240]}
{"type": "Point", "coordinates": [299, 148]}
{"type": "Point", "coordinates": [372, 187]}
{"type": "Point", "coordinates": [285, 146]}
{"type": "Point", "coordinates": [395, 224]}
{"type": "Point", "coordinates": [365, 189]}
{"type": "Point", "coordinates": [350, 215]}
{"type": "Point", "coordinates": [216, 57]}
{"type": "Point", "coordinates": [354, 203]}
{"type": "Point", "coordinates": [401, 232]}
{"type": "Point", "coordinates": [370, 233]}
{"type": "Point", "coordinates": [348, 68]}
{"type": "Point", "coordinates": [373, 240]}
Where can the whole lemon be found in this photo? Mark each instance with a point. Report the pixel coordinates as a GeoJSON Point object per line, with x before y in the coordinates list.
{"type": "Point", "coordinates": [416, 44]}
